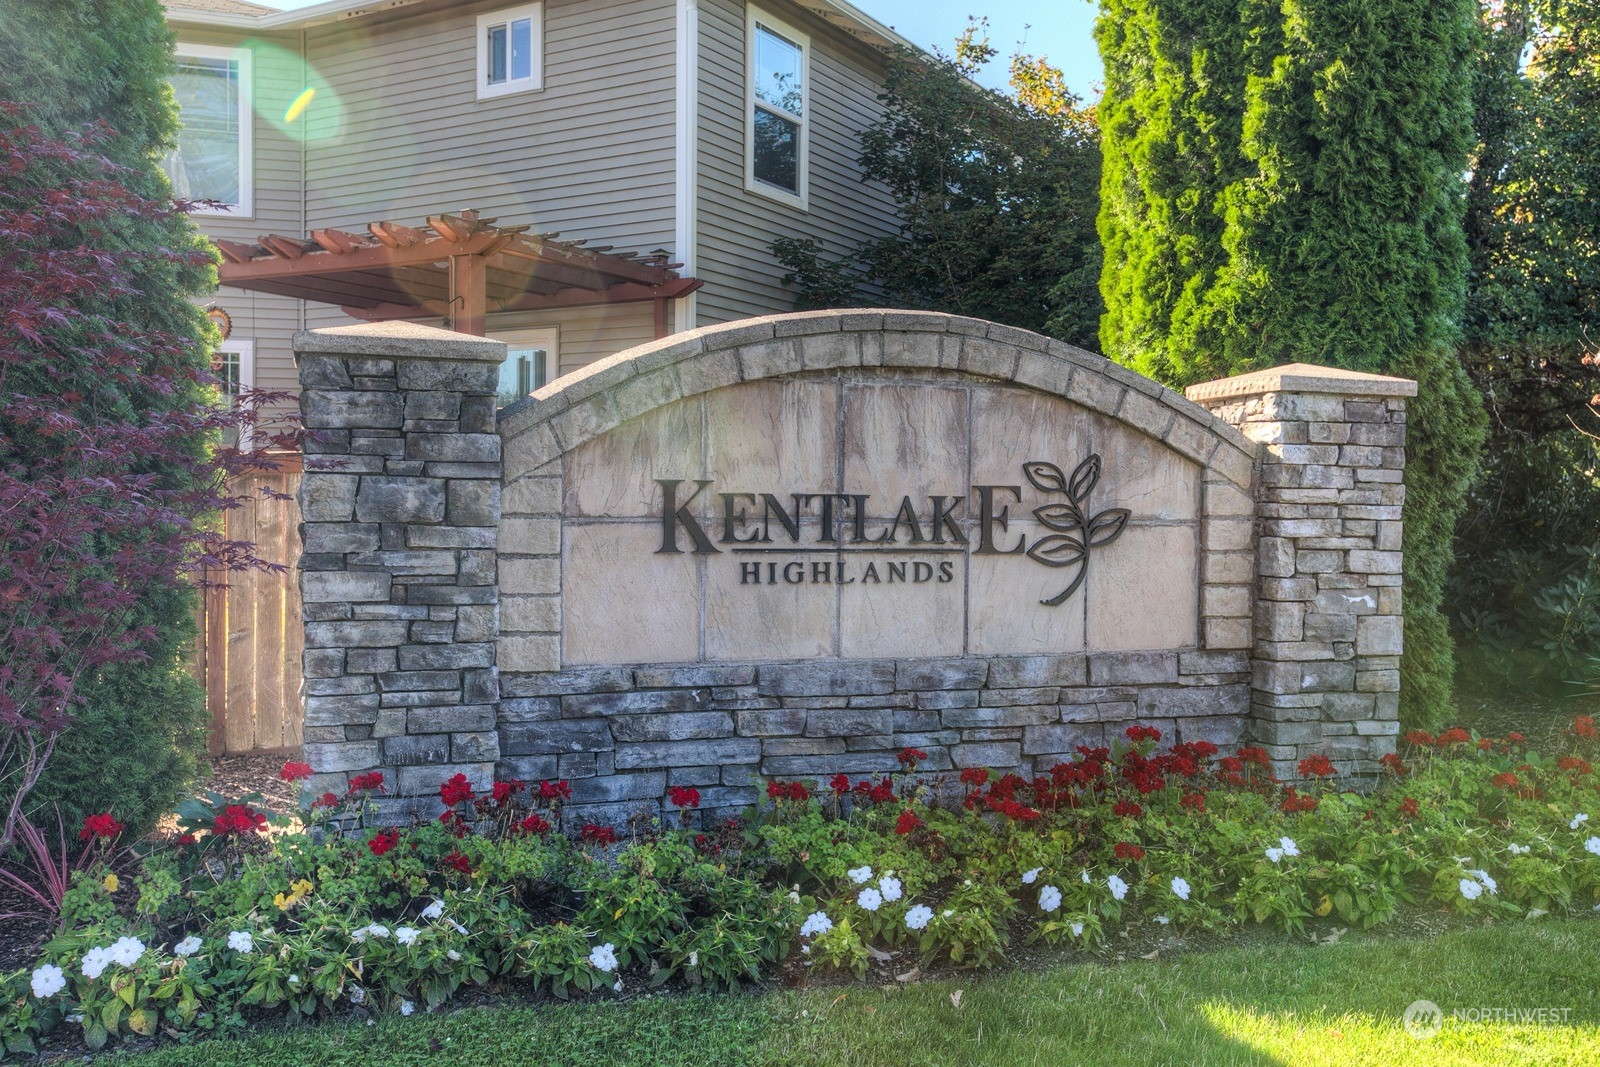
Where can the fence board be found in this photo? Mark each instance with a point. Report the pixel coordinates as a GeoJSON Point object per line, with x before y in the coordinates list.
{"type": "Point", "coordinates": [250, 635]}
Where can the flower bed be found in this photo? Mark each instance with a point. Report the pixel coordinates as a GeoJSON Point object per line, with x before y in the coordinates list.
{"type": "Point", "coordinates": [231, 918]}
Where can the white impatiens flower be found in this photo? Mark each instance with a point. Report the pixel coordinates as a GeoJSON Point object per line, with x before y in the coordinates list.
{"type": "Point", "coordinates": [1084, 877]}
{"type": "Point", "coordinates": [188, 946]}
{"type": "Point", "coordinates": [357, 995]}
{"type": "Point", "coordinates": [48, 980]}
{"type": "Point", "coordinates": [1077, 929]}
{"type": "Point", "coordinates": [1275, 854]}
{"type": "Point", "coordinates": [453, 956]}
{"type": "Point", "coordinates": [1485, 881]}
{"type": "Point", "coordinates": [1518, 850]}
{"type": "Point", "coordinates": [1162, 919]}
{"type": "Point", "coordinates": [125, 951]}
{"type": "Point", "coordinates": [1471, 889]}
{"type": "Point", "coordinates": [434, 910]}
{"type": "Point", "coordinates": [407, 1007]}
{"type": "Point", "coordinates": [816, 924]}
{"type": "Point", "coordinates": [1180, 889]}
{"type": "Point", "coordinates": [370, 930]}
{"type": "Point", "coordinates": [294, 979]}
{"type": "Point", "coordinates": [891, 888]}
{"type": "Point", "coordinates": [919, 917]}
{"type": "Point", "coordinates": [1288, 846]}
{"type": "Point", "coordinates": [870, 899]}
{"type": "Point", "coordinates": [1578, 820]}
{"type": "Point", "coordinates": [1118, 887]}
{"type": "Point", "coordinates": [1029, 877]}
{"type": "Point", "coordinates": [1049, 898]}
{"type": "Point", "coordinates": [95, 961]}
{"type": "Point", "coordinates": [241, 942]}
{"type": "Point", "coordinates": [860, 875]}
{"type": "Point", "coordinates": [694, 959]}
{"type": "Point", "coordinates": [604, 957]}
{"type": "Point", "coordinates": [406, 935]}
{"type": "Point", "coordinates": [1593, 845]}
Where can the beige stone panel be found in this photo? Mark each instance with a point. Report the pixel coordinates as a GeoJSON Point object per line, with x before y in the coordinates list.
{"type": "Point", "coordinates": [898, 615]}
{"type": "Point", "coordinates": [1005, 613]}
{"type": "Point", "coordinates": [1142, 474]}
{"type": "Point", "coordinates": [623, 602]}
{"type": "Point", "coordinates": [779, 437]}
{"type": "Point", "coordinates": [770, 617]}
{"type": "Point", "coordinates": [1143, 590]}
{"type": "Point", "coordinates": [614, 475]}
{"type": "Point", "coordinates": [1013, 426]}
{"type": "Point", "coordinates": [903, 438]}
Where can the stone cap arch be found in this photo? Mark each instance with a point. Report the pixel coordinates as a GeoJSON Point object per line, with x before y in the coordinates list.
{"type": "Point", "coordinates": [581, 406]}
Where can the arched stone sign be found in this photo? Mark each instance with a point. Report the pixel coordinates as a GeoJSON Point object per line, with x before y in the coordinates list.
{"type": "Point", "coordinates": [791, 546]}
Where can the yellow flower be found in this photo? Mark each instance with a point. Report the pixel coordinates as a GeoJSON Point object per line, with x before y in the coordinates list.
{"type": "Point", "coordinates": [112, 883]}
{"type": "Point", "coordinates": [302, 888]}
{"type": "Point", "coordinates": [284, 903]}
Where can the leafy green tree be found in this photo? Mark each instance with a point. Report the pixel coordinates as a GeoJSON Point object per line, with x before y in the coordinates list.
{"type": "Point", "coordinates": [137, 717]}
{"type": "Point", "coordinates": [1282, 182]}
{"type": "Point", "coordinates": [997, 198]}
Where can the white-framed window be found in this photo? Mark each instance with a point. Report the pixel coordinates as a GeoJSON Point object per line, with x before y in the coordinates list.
{"type": "Point", "coordinates": [511, 51]}
{"type": "Point", "coordinates": [212, 159]}
{"type": "Point", "coordinates": [778, 101]}
{"type": "Point", "coordinates": [234, 364]}
{"type": "Point", "coordinates": [531, 362]}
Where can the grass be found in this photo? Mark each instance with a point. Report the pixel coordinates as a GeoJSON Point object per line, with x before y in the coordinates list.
{"type": "Point", "coordinates": [1286, 1004]}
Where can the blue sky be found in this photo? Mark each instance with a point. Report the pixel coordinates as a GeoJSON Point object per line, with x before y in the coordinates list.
{"type": "Point", "coordinates": [1061, 30]}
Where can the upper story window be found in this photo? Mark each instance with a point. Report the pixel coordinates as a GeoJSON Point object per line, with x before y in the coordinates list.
{"type": "Point", "coordinates": [776, 143]}
{"type": "Point", "coordinates": [211, 160]}
{"type": "Point", "coordinates": [511, 51]}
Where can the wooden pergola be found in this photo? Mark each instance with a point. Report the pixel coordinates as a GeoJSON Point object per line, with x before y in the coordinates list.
{"type": "Point", "coordinates": [458, 267]}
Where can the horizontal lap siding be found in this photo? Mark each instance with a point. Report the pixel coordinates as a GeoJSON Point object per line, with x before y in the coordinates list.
{"type": "Point", "coordinates": [737, 227]}
{"type": "Point", "coordinates": [590, 156]}
{"type": "Point", "coordinates": [277, 76]}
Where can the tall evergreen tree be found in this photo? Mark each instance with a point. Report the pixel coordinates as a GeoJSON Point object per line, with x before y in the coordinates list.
{"type": "Point", "coordinates": [137, 725]}
{"type": "Point", "coordinates": [1283, 182]}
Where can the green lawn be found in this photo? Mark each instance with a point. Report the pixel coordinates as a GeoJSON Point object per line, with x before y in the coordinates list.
{"type": "Point", "coordinates": [1292, 1004]}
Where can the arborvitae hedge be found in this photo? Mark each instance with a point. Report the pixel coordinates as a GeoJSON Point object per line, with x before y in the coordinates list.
{"type": "Point", "coordinates": [1283, 182]}
{"type": "Point", "coordinates": [138, 736]}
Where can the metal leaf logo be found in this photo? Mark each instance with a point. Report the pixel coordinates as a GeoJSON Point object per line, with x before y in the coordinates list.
{"type": "Point", "coordinates": [1075, 528]}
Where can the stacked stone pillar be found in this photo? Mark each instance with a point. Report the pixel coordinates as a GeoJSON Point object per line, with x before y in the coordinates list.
{"type": "Point", "coordinates": [1328, 620]}
{"type": "Point", "coordinates": [400, 502]}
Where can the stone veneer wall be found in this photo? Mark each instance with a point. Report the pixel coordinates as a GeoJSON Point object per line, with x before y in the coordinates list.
{"type": "Point", "coordinates": [404, 533]}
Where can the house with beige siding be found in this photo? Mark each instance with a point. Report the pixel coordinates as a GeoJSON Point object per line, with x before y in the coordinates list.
{"type": "Point", "coordinates": [689, 133]}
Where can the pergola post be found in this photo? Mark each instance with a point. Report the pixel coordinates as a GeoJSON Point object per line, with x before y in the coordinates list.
{"type": "Point", "coordinates": [469, 294]}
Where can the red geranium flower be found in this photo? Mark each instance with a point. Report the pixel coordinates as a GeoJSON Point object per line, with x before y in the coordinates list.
{"type": "Point", "coordinates": [1574, 763]}
{"type": "Point", "coordinates": [383, 841]}
{"type": "Point", "coordinates": [452, 821]}
{"type": "Point", "coordinates": [1485, 744]}
{"type": "Point", "coordinates": [534, 824]}
{"type": "Point", "coordinates": [1317, 767]}
{"type": "Point", "coordinates": [907, 822]}
{"type": "Point", "coordinates": [1420, 738]}
{"type": "Point", "coordinates": [1514, 738]}
{"type": "Point", "coordinates": [1409, 808]}
{"type": "Point", "coordinates": [1255, 754]}
{"type": "Point", "coordinates": [1583, 726]}
{"type": "Point", "coordinates": [1454, 736]}
{"type": "Point", "coordinates": [185, 840]}
{"type": "Point", "coordinates": [455, 791]}
{"type": "Point", "coordinates": [1294, 801]}
{"type": "Point", "coordinates": [1137, 733]}
{"type": "Point", "coordinates": [294, 772]}
{"type": "Point", "coordinates": [326, 800]}
{"type": "Point", "coordinates": [840, 784]}
{"type": "Point", "coordinates": [457, 862]}
{"type": "Point", "coordinates": [911, 757]}
{"type": "Point", "coordinates": [552, 791]}
{"type": "Point", "coordinates": [596, 834]}
{"type": "Point", "coordinates": [975, 776]}
{"type": "Point", "coordinates": [239, 819]}
{"type": "Point", "coordinates": [504, 791]}
{"type": "Point", "coordinates": [1395, 765]}
{"type": "Point", "coordinates": [1127, 809]}
{"type": "Point", "coordinates": [1505, 780]}
{"type": "Point", "coordinates": [371, 782]}
{"type": "Point", "coordinates": [1197, 801]}
{"type": "Point", "coordinates": [102, 826]}
{"type": "Point", "coordinates": [683, 796]}
{"type": "Point", "coordinates": [1127, 851]}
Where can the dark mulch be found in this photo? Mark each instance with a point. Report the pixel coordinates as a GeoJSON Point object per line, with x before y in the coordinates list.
{"type": "Point", "coordinates": [237, 776]}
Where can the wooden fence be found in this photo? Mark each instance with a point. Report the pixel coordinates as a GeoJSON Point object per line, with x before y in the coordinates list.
{"type": "Point", "coordinates": [248, 657]}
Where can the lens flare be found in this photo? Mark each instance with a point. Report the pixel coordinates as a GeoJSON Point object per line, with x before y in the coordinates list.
{"type": "Point", "coordinates": [299, 105]}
